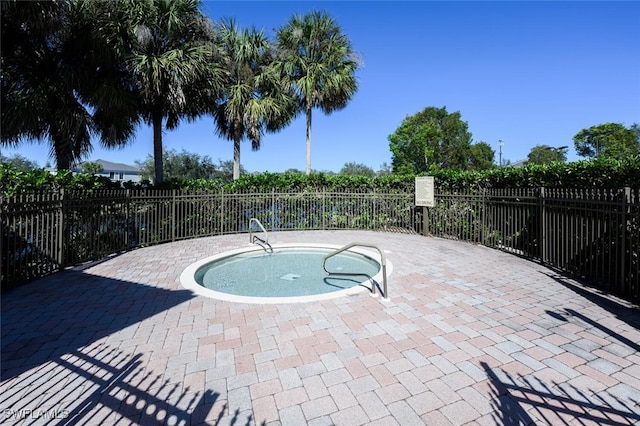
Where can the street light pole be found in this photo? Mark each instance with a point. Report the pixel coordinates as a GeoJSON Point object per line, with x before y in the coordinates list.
{"type": "Point", "coordinates": [500, 143]}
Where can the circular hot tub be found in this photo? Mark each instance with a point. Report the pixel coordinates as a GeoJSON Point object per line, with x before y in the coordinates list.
{"type": "Point", "coordinates": [291, 273]}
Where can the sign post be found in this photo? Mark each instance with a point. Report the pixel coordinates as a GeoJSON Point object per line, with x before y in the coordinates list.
{"type": "Point", "coordinates": [425, 197]}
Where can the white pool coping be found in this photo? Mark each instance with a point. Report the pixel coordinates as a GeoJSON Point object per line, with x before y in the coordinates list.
{"type": "Point", "coordinates": [187, 278]}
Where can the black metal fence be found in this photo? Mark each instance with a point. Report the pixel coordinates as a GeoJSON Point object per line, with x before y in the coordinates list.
{"type": "Point", "coordinates": [592, 234]}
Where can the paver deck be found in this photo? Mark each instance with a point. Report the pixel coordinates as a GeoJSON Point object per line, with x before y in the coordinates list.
{"type": "Point", "coordinates": [470, 335]}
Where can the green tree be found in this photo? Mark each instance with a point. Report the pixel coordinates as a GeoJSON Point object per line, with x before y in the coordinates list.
{"type": "Point", "coordinates": [318, 63]}
{"type": "Point", "coordinates": [224, 170]}
{"type": "Point", "coordinates": [385, 170]}
{"type": "Point", "coordinates": [481, 156]}
{"type": "Point", "coordinates": [432, 139]}
{"type": "Point", "coordinates": [19, 162]}
{"type": "Point", "coordinates": [610, 140]}
{"type": "Point", "coordinates": [188, 166]}
{"type": "Point", "coordinates": [61, 81]}
{"type": "Point", "coordinates": [544, 154]}
{"type": "Point", "coordinates": [91, 168]}
{"type": "Point", "coordinates": [172, 57]}
{"type": "Point", "coordinates": [253, 100]}
{"type": "Point", "coordinates": [357, 169]}
{"type": "Point", "coordinates": [294, 171]}
{"type": "Point", "coordinates": [635, 127]}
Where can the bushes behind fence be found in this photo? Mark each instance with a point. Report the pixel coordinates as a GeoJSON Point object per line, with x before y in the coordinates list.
{"type": "Point", "coordinates": [599, 173]}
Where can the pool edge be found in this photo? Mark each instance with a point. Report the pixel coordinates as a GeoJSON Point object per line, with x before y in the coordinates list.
{"type": "Point", "coordinates": [187, 278]}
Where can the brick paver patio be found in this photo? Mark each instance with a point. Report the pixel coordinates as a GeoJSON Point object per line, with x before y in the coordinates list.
{"type": "Point", "coordinates": [470, 335]}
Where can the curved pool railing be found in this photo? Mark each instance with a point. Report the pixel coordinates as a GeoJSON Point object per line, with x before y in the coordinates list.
{"type": "Point", "coordinates": [383, 262]}
{"type": "Point", "coordinates": [264, 243]}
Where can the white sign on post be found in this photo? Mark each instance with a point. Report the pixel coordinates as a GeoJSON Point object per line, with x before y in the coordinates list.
{"type": "Point", "coordinates": [425, 193]}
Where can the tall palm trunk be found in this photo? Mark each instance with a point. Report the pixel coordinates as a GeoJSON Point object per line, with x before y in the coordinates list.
{"type": "Point", "coordinates": [236, 157]}
{"type": "Point", "coordinates": [309, 139]}
{"type": "Point", "coordinates": [157, 146]}
{"type": "Point", "coordinates": [62, 153]}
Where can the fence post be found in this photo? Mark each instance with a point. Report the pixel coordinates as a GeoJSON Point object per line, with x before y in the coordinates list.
{"type": "Point", "coordinates": [272, 209]}
{"type": "Point", "coordinates": [62, 232]}
{"type": "Point", "coordinates": [127, 219]}
{"type": "Point", "coordinates": [222, 216]}
{"type": "Point", "coordinates": [324, 208]}
{"type": "Point", "coordinates": [425, 221]}
{"type": "Point", "coordinates": [173, 215]}
{"type": "Point", "coordinates": [483, 216]}
{"type": "Point", "coordinates": [374, 217]}
{"type": "Point", "coordinates": [626, 200]}
{"type": "Point", "coordinates": [542, 222]}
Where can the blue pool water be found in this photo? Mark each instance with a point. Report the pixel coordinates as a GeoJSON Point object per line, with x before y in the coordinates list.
{"type": "Point", "coordinates": [286, 272]}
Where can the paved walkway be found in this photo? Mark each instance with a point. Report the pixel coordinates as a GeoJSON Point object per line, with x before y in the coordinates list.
{"type": "Point", "coordinates": [470, 336]}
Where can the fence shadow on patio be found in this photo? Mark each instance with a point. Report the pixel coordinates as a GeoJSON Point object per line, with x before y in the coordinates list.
{"type": "Point", "coordinates": [103, 385]}
{"type": "Point", "coordinates": [59, 364]}
{"type": "Point", "coordinates": [623, 310]}
{"type": "Point", "coordinates": [63, 312]}
{"type": "Point", "coordinates": [527, 400]}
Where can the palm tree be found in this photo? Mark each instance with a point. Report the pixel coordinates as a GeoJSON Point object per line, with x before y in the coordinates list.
{"type": "Point", "coordinates": [254, 99]}
{"type": "Point", "coordinates": [317, 61]}
{"type": "Point", "coordinates": [60, 82]}
{"type": "Point", "coordinates": [174, 63]}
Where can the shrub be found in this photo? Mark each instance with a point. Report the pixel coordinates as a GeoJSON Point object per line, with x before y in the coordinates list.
{"type": "Point", "coordinates": [601, 173]}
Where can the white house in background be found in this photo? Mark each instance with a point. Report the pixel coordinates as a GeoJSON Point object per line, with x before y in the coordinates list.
{"type": "Point", "coordinates": [117, 172]}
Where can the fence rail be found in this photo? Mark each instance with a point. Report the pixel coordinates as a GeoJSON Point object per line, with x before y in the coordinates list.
{"type": "Point", "coordinates": [592, 234]}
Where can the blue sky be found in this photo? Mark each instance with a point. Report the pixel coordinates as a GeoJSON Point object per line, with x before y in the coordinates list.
{"type": "Point", "coordinates": [528, 73]}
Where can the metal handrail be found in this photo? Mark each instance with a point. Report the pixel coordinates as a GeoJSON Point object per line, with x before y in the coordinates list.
{"type": "Point", "coordinates": [383, 261]}
{"type": "Point", "coordinates": [252, 238]}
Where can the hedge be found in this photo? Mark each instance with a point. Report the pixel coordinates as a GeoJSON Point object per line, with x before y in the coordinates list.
{"type": "Point", "coordinates": [600, 173]}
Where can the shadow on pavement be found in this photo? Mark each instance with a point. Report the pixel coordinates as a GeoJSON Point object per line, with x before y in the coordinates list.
{"type": "Point", "coordinates": [527, 400]}
{"type": "Point", "coordinates": [60, 313]}
{"type": "Point", "coordinates": [623, 310]}
{"type": "Point", "coordinates": [58, 366]}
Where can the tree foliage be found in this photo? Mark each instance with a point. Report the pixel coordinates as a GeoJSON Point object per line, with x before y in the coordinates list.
{"type": "Point", "coordinates": [14, 180]}
{"type": "Point", "coordinates": [184, 166]}
{"type": "Point", "coordinates": [544, 154]}
{"type": "Point", "coordinates": [61, 81]}
{"type": "Point", "coordinates": [92, 168]}
{"type": "Point", "coordinates": [385, 169]}
{"type": "Point", "coordinates": [481, 156]}
{"type": "Point", "coordinates": [357, 169]}
{"type": "Point", "coordinates": [253, 99]}
{"type": "Point", "coordinates": [20, 162]}
{"type": "Point", "coordinates": [600, 173]}
{"type": "Point", "coordinates": [610, 140]}
{"type": "Point", "coordinates": [170, 52]}
{"type": "Point", "coordinates": [432, 139]}
{"type": "Point", "coordinates": [318, 63]}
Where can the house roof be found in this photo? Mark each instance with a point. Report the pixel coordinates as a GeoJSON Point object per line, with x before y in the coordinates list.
{"type": "Point", "coordinates": [108, 166]}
